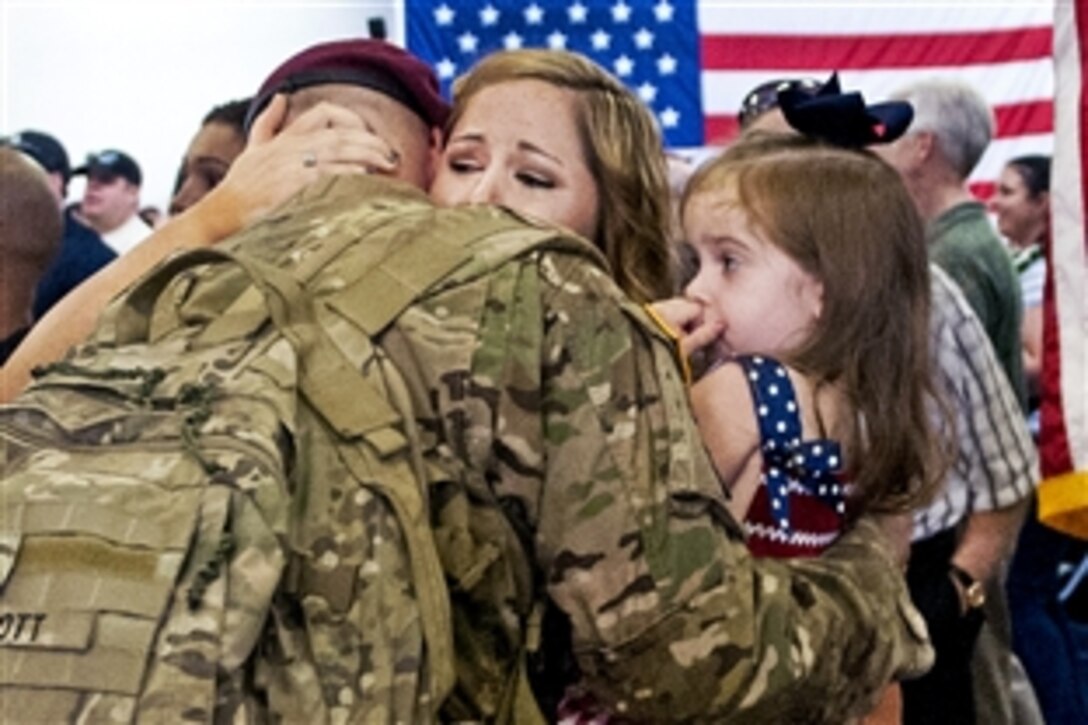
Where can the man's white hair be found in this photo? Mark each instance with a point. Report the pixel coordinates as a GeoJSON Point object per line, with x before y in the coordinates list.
{"type": "Point", "coordinates": [956, 114]}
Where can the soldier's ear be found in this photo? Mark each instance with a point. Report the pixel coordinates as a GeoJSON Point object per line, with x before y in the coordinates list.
{"type": "Point", "coordinates": [434, 154]}
{"type": "Point", "coordinates": [438, 139]}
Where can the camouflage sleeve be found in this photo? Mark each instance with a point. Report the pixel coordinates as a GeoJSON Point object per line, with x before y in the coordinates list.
{"type": "Point", "coordinates": [672, 618]}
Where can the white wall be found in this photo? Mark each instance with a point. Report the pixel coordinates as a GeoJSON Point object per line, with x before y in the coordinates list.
{"type": "Point", "coordinates": [139, 76]}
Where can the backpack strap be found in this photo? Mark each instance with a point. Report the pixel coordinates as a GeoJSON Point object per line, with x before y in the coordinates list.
{"type": "Point", "coordinates": [389, 286]}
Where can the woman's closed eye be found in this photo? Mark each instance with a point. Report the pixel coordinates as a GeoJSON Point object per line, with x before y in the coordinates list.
{"type": "Point", "coordinates": [535, 180]}
{"type": "Point", "coordinates": [464, 165]}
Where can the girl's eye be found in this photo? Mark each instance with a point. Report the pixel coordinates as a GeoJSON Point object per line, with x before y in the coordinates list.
{"type": "Point", "coordinates": [729, 263]}
{"type": "Point", "coordinates": [535, 181]}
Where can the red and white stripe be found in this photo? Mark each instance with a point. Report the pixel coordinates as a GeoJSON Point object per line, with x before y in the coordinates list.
{"type": "Point", "coordinates": [1063, 495]}
{"type": "Point", "coordinates": [1003, 50]}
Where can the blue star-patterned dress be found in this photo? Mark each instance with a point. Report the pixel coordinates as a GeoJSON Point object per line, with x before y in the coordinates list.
{"type": "Point", "coordinates": [799, 507]}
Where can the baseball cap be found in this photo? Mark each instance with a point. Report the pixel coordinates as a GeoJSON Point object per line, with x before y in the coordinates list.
{"type": "Point", "coordinates": [109, 165]}
{"type": "Point", "coordinates": [43, 148]}
{"type": "Point", "coordinates": [364, 62]}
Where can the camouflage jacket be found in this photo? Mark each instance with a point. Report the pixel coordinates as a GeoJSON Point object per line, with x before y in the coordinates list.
{"type": "Point", "coordinates": [544, 393]}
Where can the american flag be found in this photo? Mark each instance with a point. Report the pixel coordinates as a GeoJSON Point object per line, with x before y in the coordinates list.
{"type": "Point", "coordinates": [1063, 441]}
{"type": "Point", "coordinates": [693, 62]}
{"type": "Point", "coordinates": [651, 45]}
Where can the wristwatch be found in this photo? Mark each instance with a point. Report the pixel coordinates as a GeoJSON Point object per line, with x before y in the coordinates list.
{"type": "Point", "coordinates": [974, 594]}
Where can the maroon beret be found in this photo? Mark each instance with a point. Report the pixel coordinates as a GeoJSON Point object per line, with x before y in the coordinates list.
{"type": "Point", "coordinates": [373, 64]}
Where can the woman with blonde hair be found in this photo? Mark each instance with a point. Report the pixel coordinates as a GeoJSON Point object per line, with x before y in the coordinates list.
{"type": "Point", "coordinates": [587, 121]}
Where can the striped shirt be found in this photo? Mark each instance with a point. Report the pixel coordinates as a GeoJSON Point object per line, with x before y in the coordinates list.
{"type": "Point", "coordinates": [996, 464]}
{"type": "Point", "coordinates": [1030, 265]}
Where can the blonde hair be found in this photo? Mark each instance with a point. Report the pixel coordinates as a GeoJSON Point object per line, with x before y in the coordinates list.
{"type": "Point", "coordinates": [623, 151]}
{"type": "Point", "coordinates": [845, 217]}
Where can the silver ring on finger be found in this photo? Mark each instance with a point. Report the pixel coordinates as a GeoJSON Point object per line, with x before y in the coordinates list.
{"type": "Point", "coordinates": [309, 159]}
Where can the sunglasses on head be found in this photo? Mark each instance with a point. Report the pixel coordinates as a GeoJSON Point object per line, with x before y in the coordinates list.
{"type": "Point", "coordinates": [764, 97]}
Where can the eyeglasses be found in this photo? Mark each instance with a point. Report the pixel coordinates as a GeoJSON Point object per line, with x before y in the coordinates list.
{"type": "Point", "coordinates": [764, 97]}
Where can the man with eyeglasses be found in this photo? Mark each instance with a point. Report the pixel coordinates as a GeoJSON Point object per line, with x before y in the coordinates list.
{"type": "Point", "coordinates": [111, 199]}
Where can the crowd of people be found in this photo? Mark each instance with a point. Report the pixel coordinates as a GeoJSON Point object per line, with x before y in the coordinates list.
{"type": "Point", "coordinates": [768, 448]}
{"type": "Point", "coordinates": [108, 220]}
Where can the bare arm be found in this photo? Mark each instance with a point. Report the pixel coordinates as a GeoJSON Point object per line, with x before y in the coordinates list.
{"type": "Point", "coordinates": [1031, 340]}
{"type": "Point", "coordinates": [266, 174]}
{"type": "Point", "coordinates": [996, 457]}
{"type": "Point", "coordinates": [989, 540]}
{"type": "Point", "coordinates": [728, 427]}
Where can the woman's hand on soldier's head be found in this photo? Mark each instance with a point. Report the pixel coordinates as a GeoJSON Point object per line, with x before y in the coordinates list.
{"type": "Point", "coordinates": [279, 159]}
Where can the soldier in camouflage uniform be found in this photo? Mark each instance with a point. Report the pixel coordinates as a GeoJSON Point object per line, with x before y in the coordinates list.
{"type": "Point", "coordinates": [553, 411]}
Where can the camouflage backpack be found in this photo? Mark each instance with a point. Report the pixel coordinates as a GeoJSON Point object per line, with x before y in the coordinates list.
{"type": "Point", "coordinates": [216, 508]}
